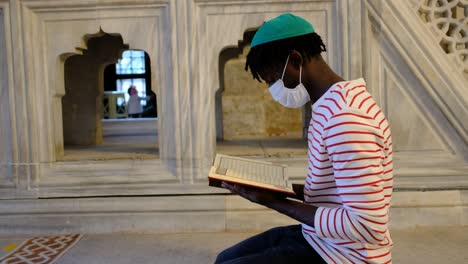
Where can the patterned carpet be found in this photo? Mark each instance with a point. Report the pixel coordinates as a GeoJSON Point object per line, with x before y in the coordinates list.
{"type": "Point", "coordinates": [41, 250]}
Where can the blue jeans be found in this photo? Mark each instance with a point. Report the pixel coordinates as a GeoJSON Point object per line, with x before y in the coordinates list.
{"type": "Point", "coordinates": [278, 245]}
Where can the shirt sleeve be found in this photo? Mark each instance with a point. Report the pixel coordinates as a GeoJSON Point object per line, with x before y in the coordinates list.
{"type": "Point", "coordinates": [355, 145]}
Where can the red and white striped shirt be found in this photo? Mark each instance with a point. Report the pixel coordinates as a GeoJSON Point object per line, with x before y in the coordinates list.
{"type": "Point", "coordinates": [350, 176]}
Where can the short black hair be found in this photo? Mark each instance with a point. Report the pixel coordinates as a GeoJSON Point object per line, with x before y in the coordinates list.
{"type": "Point", "coordinates": [266, 57]}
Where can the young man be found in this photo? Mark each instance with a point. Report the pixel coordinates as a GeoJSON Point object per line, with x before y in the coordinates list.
{"type": "Point", "coordinates": [346, 196]}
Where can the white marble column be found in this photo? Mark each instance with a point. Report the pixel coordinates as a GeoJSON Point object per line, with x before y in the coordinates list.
{"type": "Point", "coordinates": [7, 179]}
{"type": "Point", "coordinates": [17, 158]}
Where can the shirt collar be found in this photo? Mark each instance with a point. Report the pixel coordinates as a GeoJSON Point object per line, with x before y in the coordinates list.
{"type": "Point", "coordinates": [338, 85]}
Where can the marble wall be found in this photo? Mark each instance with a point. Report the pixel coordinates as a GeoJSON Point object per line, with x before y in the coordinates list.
{"type": "Point", "coordinates": [419, 88]}
{"type": "Point", "coordinates": [414, 80]}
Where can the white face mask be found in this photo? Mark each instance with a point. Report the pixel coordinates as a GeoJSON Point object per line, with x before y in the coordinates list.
{"type": "Point", "coordinates": [292, 98]}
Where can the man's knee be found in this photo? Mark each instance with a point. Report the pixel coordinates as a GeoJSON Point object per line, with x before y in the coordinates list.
{"type": "Point", "coordinates": [223, 256]}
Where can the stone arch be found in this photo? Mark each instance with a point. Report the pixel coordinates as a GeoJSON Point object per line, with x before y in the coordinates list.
{"type": "Point", "coordinates": [230, 102]}
{"type": "Point", "coordinates": [82, 100]}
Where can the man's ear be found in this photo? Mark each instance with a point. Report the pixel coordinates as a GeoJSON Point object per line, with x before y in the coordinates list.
{"type": "Point", "coordinates": [296, 59]}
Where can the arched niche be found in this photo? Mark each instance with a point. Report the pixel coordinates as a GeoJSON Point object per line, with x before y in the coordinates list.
{"type": "Point", "coordinates": [245, 111]}
{"type": "Point", "coordinates": [82, 105]}
{"type": "Point", "coordinates": [83, 75]}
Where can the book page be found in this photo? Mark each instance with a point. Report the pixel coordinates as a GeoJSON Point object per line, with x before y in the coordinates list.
{"type": "Point", "coordinates": [251, 170]}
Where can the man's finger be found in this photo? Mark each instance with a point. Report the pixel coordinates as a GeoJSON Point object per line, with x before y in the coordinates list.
{"type": "Point", "coordinates": [228, 186]}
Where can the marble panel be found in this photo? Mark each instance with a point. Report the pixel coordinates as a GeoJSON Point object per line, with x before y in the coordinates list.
{"type": "Point", "coordinates": [410, 129]}
{"type": "Point", "coordinates": [108, 215]}
{"type": "Point", "coordinates": [433, 208]}
{"type": "Point", "coordinates": [427, 75]}
{"type": "Point", "coordinates": [147, 222]}
{"type": "Point", "coordinates": [430, 178]}
{"type": "Point", "coordinates": [114, 204]}
{"type": "Point", "coordinates": [6, 139]}
{"type": "Point", "coordinates": [428, 139]}
{"type": "Point", "coordinates": [403, 218]}
{"type": "Point", "coordinates": [446, 198]}
{"type": "Point", "coordinates": [62, 34]}
{"type": "Point", "coordinates": [221, 24]}
{"type": "Point", "coordinates": [86, 173]}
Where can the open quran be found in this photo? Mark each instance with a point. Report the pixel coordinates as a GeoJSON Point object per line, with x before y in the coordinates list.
{"type": "Point", "coordinates": [254, 173]}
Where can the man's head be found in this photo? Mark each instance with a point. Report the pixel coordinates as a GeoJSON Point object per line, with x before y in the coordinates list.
{"type": "Point", "coordinates": [278, 38]}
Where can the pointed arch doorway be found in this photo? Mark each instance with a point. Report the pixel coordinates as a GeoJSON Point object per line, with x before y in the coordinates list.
{"type": "Point", "coordinates": [96, 82]}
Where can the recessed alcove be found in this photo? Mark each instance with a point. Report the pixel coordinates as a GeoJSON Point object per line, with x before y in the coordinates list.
{"type": "Point", "coordinates": [96, 123]}
{"type": "Point", "coordinates": [248, 121]}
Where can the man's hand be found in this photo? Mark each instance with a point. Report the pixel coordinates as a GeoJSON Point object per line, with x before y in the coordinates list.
{"type": "Point", "coordinates": [255, 195]}
{"type": "Point", "coordinates": [302, 212]}
{"type": "Point", "coordinates": [299, 190]}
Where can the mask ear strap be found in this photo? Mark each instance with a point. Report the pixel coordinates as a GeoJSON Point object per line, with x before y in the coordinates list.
{"type": "Point", "coordinates": [284, 70]}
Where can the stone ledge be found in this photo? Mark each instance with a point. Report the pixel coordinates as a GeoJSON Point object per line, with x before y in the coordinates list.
{"type": "Point", "coordinates": [153, 177]}
{"type": "Point", "coordinates": [129, 127]}
{"type": "Point", "coordinates": [201, 213]}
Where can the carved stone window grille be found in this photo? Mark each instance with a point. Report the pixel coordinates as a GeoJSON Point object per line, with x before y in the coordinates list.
{"type": "Point", "coordinates": [449, 21]}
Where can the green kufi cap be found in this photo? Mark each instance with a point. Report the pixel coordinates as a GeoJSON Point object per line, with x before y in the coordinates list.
{"type": "Point", "coordinates": [281, 27]}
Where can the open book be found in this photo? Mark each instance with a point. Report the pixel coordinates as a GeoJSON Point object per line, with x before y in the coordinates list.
{"type": "Point", "coordinates": [254, 173]}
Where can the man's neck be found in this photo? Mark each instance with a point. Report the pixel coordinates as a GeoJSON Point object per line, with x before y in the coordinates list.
{"type": "Point", "coordinates": [322, 82]}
